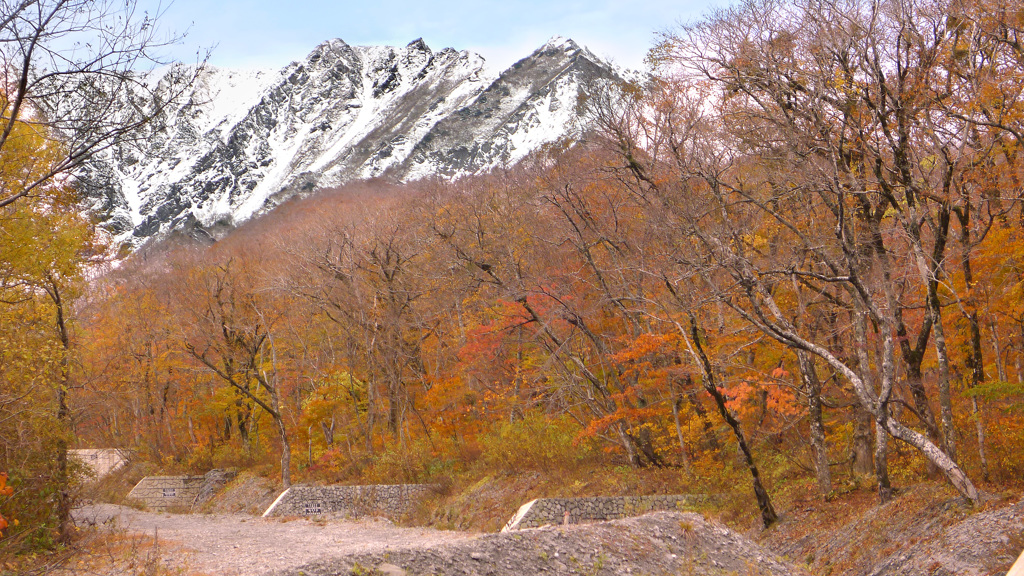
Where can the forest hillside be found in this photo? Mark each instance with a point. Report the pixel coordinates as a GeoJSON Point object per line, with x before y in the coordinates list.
{"type": "Point", "coordinates": [785, 270]}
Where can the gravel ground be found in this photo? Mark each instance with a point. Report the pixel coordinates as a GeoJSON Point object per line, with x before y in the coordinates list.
{"type": "Point", "coordinates": [920, 533]}
{"type": "Point", "coordinates": [660, 543]}
{"type": "Point", "coordinates": [243, 545]}
{"type": "Point", "coordinates": [984, 543]}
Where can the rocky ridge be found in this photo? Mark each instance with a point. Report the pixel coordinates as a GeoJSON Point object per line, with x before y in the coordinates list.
{"type": "Point", "coordinates": [248, 140]}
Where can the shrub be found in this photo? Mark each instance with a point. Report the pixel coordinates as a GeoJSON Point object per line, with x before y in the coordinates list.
{"type": "Point", "coordinates": [537, 442]}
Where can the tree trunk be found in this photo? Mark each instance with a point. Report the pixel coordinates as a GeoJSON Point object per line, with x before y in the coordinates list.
{"type": "Point", "coordinates": [861, 458]}
{"type": "Point", "coordinates": [709, 429]}
{"type": "Point", "coordinates": [395, 410]}
{"type": "Point", "coordinates": [62, 472]}
{"type": "Point", "coordinates": [286, 447]}
{"type": "Point", "coordinates": [271, 385]}
{"type": "Point", "coordinates": [975, 358]}
{"type": "Point", "coordinates": [979, 426]}
{"type": "Point", "coordinates": [953, 473]}
{"type": "Point", "coordinates": [676, 403]}
{"type": "Point", "coordinates": [881, 408]}
{"type": "Point", "coordinates": [371, 411]}
{"type": "Point", "coordinates": [328, 432]}
{"type": "Point", "coordinates": [912, 359]}
{"type": "Point", "coordinates": [286, 452]}
{"type": "Point", "coordinates": [928, 270]}
{"type": "Point", "coordinates": [998, 349]}
{"type": "Point", "coordinates": [631, 455]}
{"type": "Point", "coordinates": [949, 467]}
{"type": "Point", "coordinates": [921, 405]}
{"type": "Point", "coordinates": [882, 463]}
{"type": "Point", "coordinates": [945, 399]}
{"type": "Point", "coordinates": [812, 388]}
{"type": "Point", "coordinates": [764, 503]}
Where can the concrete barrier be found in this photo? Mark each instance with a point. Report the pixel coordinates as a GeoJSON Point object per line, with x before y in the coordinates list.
{"type": "Point", "coordinates": [548, 511]}
{"type": "Point", "coordinates": [392, 500]}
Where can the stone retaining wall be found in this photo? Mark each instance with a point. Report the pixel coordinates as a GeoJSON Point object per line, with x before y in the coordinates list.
{"type": "Point", "coordinates": [547, 511]}
{"type": "Point", "coordinates": [392, 500]}
{"type": "Point", "coordinates": [159, 493]}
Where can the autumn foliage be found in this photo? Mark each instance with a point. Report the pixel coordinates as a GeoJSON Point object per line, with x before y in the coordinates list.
{"type": "Point", "coordinates": [790, 261]}
{"type": "Point", "coordinates": [5, 492]}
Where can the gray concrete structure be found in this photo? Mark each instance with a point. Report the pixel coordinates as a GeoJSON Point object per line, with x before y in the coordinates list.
{"type": "Point", "coordinates": [392, 500]}
{"type": "Point", "coordinates": [100, 461]}
{"type": "Point", "coordinates": [547, 511]}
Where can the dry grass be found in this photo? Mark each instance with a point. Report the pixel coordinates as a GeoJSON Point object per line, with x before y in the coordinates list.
{"type": "Point", "coordinates": [486, 502]}
{"type": "Point", "coordinates": [101, 551]}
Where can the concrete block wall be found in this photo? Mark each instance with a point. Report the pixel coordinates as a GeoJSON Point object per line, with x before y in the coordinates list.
{"type": "Point", "coordinates": [392, 500]}
{"type": "Point", "coordinates": [547, 511]}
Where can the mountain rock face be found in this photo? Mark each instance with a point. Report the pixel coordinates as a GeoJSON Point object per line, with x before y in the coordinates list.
{"type": "Point", "coordinates": [248, 140]}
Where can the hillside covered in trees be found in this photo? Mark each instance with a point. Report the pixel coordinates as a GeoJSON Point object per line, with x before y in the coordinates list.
{"type": "Point", "coordinates": [790, 262]}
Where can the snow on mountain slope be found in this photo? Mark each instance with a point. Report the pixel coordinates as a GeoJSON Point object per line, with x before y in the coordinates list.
{"type": "Point", "coordinates": [531, 104]}
{"type": "Point", "coordinates": [248, 140]}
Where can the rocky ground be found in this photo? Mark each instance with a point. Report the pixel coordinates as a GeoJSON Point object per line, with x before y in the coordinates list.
{"type": "Point", "coordinates": [926, 531]}
{"type": "Point", "coordinates": [654, 544]}
{"type": "Point", "coordinates": [245, 545]}
{"type": "Point", "coordinates": [242, 545]}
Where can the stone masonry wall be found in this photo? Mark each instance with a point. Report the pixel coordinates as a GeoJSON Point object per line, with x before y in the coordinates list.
{"type": "Point", "coordinates": [546, 511]}
{"type": "Point", "coordinates": [391, 500]}
{"type": "Point", "coordinates": [162, 492]}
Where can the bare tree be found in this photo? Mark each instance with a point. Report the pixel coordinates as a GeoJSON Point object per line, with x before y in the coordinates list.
{"type": "Point", "coordinates": [800, 142]}
{"type": "Point", "coordinates": [231, 334]}
{"type": "Point", "coordinates": [370, 285]}
{"type": "Point", "coordinates": [79, 73]}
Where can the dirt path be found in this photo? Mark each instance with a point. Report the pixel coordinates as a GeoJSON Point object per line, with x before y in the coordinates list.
{"type": "Point", "coordinates": [242, 545]}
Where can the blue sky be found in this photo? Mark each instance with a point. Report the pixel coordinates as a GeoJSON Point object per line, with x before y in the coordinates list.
{"type": "Point", "coordinates": [264, 33]}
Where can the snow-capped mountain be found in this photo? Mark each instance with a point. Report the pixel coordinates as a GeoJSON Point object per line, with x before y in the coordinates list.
{"type": "Point", "coordinates": [247, 140]}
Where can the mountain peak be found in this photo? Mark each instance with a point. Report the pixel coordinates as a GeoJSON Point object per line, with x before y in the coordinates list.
{"type": "Point", "coordinates": [329, 45]}
{"type": "Point", "coordinates": [560, 43]}
{"type": "Point", "coordinates": [345, 113]}
{"type": "Point", "coordinates": [418, 44]}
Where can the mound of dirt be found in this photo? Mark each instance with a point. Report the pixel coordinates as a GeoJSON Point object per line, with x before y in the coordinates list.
{"type": "Point", "coordinates": [657, 543]}
{"type": "Point", "coordinates": [247, 493]}
{"type": "Point", "coordinates": [926, 531]}
{"type": "Point", "coordinates": [983, 543]}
